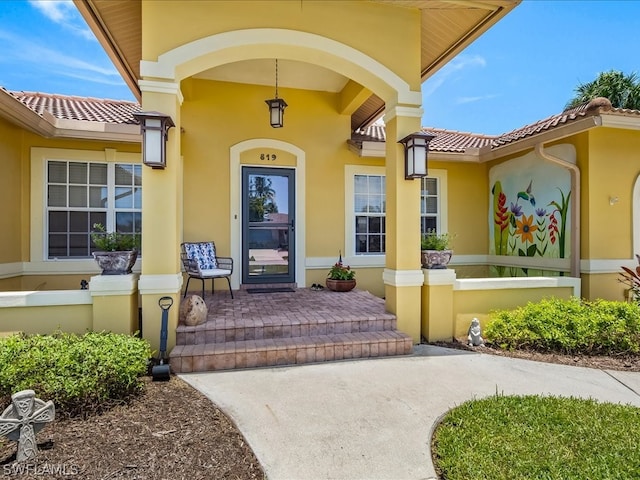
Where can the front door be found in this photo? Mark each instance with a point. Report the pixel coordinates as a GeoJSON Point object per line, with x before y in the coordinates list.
{"type": "Point", "coordinates": [268, 223]}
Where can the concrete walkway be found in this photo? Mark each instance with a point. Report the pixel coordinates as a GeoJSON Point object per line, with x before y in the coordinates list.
{"type": "Point", "coordinates": [373, 419]}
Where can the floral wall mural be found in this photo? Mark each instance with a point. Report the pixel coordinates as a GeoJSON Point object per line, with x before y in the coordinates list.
{"type": "Point", "coordinates": [529, 209]}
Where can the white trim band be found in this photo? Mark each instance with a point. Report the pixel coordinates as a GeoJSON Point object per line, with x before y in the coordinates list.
{"type": "Point", "coordinates": [518, 283]}
{"type": "Point", "coordinates": [45, 298]}
{"type": "Point", "coordinates": [402, 278]}
{"type": "Point", "coordinates": [108, 285]}
{"type": "Point", "coordinates": [159, 284]}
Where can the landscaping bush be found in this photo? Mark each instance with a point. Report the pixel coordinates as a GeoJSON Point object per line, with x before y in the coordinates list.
{"type": "Point", "coordinates": [80, 373]}
{"type": "Point", "coordinates": [568, 326]}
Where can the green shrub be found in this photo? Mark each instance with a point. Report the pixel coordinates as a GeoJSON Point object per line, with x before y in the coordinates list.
{"type": "Point", "coordinates": [80, 373]}
{"type": "Point", "coordinates": [568, 326]}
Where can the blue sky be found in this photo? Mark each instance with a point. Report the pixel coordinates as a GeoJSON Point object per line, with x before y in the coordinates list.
{"type": "Point", "coordinates": [523, 69]}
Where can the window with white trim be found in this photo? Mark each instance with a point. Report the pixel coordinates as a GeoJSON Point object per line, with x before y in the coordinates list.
{"type": "Point", "coordinates": [369, 214]}
{"type": "Point", "coordinates": [429, 205]}
{"type": "Point", "coordinates": [80, 194]}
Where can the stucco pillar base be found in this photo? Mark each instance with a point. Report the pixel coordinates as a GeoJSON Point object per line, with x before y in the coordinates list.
{"type": "Point", "coordinates": [115, 303]}
{"type": "Point", "coordinates": [152, 288]}
{"type": "Point", "coordinates": [437, 304]}
{"type": "Point", "coordinates": [402, 298]}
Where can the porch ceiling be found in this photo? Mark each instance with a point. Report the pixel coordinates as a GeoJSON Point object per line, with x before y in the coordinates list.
{"type": "Point", "coordinates": [448, 26]}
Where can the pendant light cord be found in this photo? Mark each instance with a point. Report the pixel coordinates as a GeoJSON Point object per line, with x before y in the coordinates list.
{"type": "Point", "coordinates": [276, 78]}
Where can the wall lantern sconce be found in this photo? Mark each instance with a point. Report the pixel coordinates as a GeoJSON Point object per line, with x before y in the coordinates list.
{"type": "Point", "coordinates": [416, 146]}
{"type": "Point", "coordinates": [276, 106]}
{"type": "Point", "coordinates": [154, 127]}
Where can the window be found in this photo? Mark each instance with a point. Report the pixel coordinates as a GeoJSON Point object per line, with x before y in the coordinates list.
{"type": "Point", "coordinates": [365, 211]}
{"type": "Point", "coordinates": [80, 194]}
{"type": "Point", "coordinates": [369, 210]}
{"type": "Point", "coordinates": [429, 206]}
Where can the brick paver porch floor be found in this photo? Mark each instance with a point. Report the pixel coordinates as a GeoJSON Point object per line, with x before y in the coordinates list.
{"type": "Point", "coordinates": [265, 329]}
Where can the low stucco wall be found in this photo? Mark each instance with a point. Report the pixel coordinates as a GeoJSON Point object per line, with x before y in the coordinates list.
{"type": "Point", "coordinates": [45, 312]}
{"type": "Point", "coordinates": [110, 304]}
{"type": "Point", "coordinates": [448, 304]}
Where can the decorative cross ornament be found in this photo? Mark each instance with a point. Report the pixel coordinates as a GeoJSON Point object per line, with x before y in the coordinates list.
{"type": "Point", "coordinates": [25, 417]}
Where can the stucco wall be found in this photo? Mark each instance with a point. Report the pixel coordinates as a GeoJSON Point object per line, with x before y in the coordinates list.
{"type": "Point", "coordinates": [164, 29]}
{"type": "Point", "coordinates": [614, 165]}
{"type": "Point", "coordinates": [11, 197]}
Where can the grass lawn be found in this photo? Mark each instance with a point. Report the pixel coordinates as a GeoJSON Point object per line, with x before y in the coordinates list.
{"type": "Point", "coordinates": [534, 437]}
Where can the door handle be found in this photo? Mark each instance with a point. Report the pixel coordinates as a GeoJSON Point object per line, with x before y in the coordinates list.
{"type": "Point", "coordinates": [293, 224]}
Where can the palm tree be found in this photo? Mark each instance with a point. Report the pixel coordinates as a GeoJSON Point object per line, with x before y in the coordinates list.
{"type": "Point", "coordinates": [623, 91]}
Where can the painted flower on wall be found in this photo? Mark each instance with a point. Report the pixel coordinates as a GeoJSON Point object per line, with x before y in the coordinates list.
{"type": "Point", "coordinates": [525, 228]}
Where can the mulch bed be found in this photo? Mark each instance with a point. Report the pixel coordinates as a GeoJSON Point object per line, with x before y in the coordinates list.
{"type": "Point", "coordinates": [629, 363]}
{"type": "Point", "coordinates": [171, 431]}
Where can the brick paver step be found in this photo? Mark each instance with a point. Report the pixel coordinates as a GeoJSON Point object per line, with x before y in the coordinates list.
{"type": "Point", "coordinates": [288, 351]}
{"type": "Point", "coordinates": [240, 329]}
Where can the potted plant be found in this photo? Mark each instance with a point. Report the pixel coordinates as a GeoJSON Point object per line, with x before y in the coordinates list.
{"type": "Point", "coordinates": [340, 277]}
{"type": "Point", "coordinates": [117, 252]}
{"type": "Point", "coordinates": [436, 250]}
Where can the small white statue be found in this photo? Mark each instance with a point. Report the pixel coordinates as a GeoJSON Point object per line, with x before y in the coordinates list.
{"type": "Point", "coordinates": [474, 338]}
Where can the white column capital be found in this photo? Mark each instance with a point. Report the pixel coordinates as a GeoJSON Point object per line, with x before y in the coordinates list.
{"type": "Point", "coordinates": [402, 111]}
{"type": "Point", "coordinates": [167, 88]}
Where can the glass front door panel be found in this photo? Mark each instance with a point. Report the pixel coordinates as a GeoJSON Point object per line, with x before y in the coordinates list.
{"type": "Point", "coordinates": [268, 225]}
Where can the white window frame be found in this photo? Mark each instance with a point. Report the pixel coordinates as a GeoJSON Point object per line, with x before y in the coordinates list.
{"type": "Point", "coordinates": [372, 260]}
{"type": "Point", "coordinates": [441, 206]}
{"type": "Point", "coordinates": [39, 262]}
{"type": "Point", "coordinates": [110, 210]}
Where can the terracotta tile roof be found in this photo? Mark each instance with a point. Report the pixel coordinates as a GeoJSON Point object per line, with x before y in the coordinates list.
{"type": "Point", "coordinates": [444, 141]}
{"type": "Point", "coordinates": [451, 141]}
{"type": "Point", "coordinates": [79, 108]}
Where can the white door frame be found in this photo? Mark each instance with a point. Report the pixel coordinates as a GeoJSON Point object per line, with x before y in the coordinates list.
{"type": "Point", "coordinates": [235, 170]}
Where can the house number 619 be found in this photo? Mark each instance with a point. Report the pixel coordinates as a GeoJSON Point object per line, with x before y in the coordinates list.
{"type": "Point", "coordinates": [268, 156]}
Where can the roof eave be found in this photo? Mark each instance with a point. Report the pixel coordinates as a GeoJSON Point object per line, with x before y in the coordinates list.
{"type": "Point", "coordinates": [629, 122]}
{"type": "Point", "coordinates": [93, 19]}
{"type": "Point", "coordinates": [85, 130]}
{"type": "Point", "coordinates": [551, 135]}
{"type": "Point", "coordinates": [467, 39]}
{"type": "Point", "coordinates": [22, 116]}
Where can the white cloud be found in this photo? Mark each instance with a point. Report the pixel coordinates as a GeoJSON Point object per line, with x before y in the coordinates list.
{"type": "Point", "coordinates": [458, 64]}
{"type": "Point", "coordinates": [65, 14]}
{"type": "Point", "coordinates": [58, 11]}
{"type": "Point", "coordinates": [463, 100]}
{"type": "Point", "coordinates": [26, 52]}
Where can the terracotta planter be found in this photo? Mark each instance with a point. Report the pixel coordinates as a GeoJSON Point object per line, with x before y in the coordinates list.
{"type": "Point", "coordinates": [340, 285]}
{"type": "Point", "coordinates": [436, 259]}
{"type": "Point", "coordinates": [116, 263]}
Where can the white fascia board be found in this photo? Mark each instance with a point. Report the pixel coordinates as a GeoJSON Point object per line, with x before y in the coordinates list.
{"type": "Point", "coordinates": [621, 121]}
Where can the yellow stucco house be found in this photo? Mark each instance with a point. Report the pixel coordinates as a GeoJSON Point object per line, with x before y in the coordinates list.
{"type": "Point", "coordinates": [546, 209]}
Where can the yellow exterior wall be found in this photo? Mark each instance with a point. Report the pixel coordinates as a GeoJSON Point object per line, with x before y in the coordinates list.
{"type": "Point", "coordinates": [47, 319]}
{"type": "Point", "coordinates": [226, 114]}
{"type": "Point", "coordinates": [165, 27]}
{"type": "Point", "coordinates": [10, 192]}
{"type": "Point", "coordinates": [15, 191]}
{"type": "Point", "coordinates": [614, 165]}
{"type": "Point", "coordinates": [603, 285]}
{"type": "Point", "coordinates": [467, 206]}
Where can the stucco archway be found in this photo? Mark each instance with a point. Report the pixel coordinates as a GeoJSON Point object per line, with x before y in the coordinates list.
{"type": "Point", "coordinates": [219, 49]}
